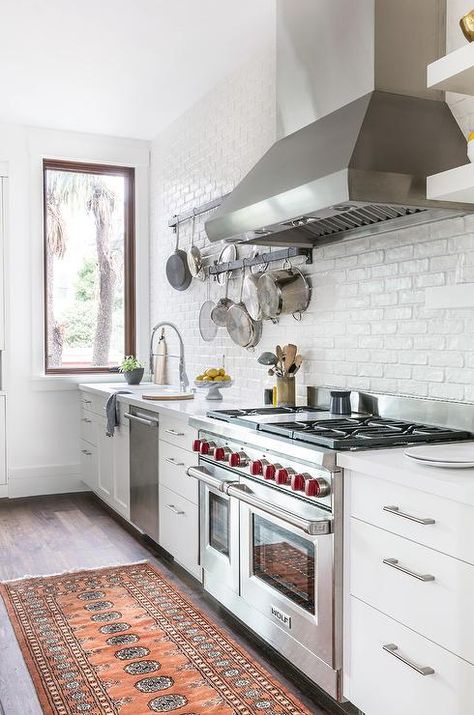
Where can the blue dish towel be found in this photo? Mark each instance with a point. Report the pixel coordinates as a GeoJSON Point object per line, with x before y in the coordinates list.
{"type": "Point", "coordinates": [112, 415]}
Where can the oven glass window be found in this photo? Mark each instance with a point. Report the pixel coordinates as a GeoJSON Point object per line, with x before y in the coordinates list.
{"type": "Point", "coordinates": [284, 561]}
{"type": "Point", "coordinates": [219, 523]}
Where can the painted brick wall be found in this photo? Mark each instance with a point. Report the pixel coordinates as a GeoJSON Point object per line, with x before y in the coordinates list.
{"type": "Point", "coordinates": [369, 325]}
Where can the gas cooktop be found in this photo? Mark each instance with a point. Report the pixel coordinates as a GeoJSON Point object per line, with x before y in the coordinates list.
{"type": "Point", "coordinates": [315, 425]}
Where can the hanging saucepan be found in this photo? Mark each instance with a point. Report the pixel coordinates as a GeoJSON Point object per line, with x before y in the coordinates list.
{"type": "Point", "coordinates": [219, 312]}
{"type": "Point", "coordinates": [286, 291]}
{"type": "Point", "coordinates": [243, 330]}
{"type": "Point", "coordinates": [194, 256]}
{"type": "Point", "coordinates": [227, 255]}
{"type": "Point", "coordinates": [177, 271]}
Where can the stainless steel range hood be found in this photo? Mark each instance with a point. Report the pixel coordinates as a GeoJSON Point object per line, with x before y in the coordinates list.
{"type": "Point", "coordinates": [359, 169]}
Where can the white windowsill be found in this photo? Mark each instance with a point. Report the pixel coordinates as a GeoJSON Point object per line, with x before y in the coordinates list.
{"type": "Point", "coordinates": [43, 383]}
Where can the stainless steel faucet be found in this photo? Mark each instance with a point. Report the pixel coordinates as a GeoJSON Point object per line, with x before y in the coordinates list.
{"type": "Point", "coordinates": [183, 378]}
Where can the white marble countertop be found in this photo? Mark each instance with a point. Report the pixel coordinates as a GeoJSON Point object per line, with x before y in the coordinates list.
{"type": "Point", "coordinates": [392, 465]}
{"type": "Point", "coordinates": [197, 407]}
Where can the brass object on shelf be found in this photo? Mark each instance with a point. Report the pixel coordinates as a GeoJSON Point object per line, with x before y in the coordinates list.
{"type": "Point", "coordinates": [467, 25]}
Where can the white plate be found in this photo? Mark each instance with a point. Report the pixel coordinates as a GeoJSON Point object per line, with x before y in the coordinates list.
{"type": "Point", "coordinates": [453, 456]}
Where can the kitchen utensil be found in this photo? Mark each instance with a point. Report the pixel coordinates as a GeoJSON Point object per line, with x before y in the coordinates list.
{"type": "Point", "coordinates": [177, 271]}
{"type": "Point", "coordinates": [451, 456]}
{"type": "Point", "coordinates": [280, 357]}
{"type": "Point", "coordinates": [290, 354]}
{"type": "Point", "coordinates": [207, 327]}
{"type": "Point", "coordinates": [340, 403]}
{"type": "Point", "coordinates": [285, 291]}
{"type": "Point", "coordinates": [267, 359]}
{"type": "Point", "coordinates": [213, 388]}
{"type": "Point", "coordinates": [194, 257]}
{"type": "Point", "coordinates": [250, 295]}
{"type": "Point", "coordinates": [228, 254]}
{"type": "Point", "coordinates": [296, 365]}
{"type": "Point", "coordinates": [219, 312]}
{"type": "Point", "coordinates": [467, 25]}
{"type": "Point", "coordinates": [243, 330]}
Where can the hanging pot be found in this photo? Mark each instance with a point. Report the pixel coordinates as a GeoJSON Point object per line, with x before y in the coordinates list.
{"type": "Point", "coordinates": [242, 329]}
{"type": "Point", "coordinates": [219, 312]}
{"type": "Point", "coordinates": [177, 271]}
{"type": "Point", "coordinates": [250, 296]}
{"type": "Point", "coordinates": [286, 291]}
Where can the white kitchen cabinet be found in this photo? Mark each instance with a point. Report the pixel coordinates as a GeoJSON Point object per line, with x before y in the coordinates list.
{"type": "Point", "coordinates": [3, 441]}
{"type": "Point", "coordinates": [89, 469]}
{"type": "Point", "coordinates": [379, 683]}
{"type": "Point", "coordinates": [421, 614]}
{"type": "Point", "coordinates": [174, 462]}
{"type": "Point", "coordinates": [3, 229]}
{"type": "Point", "coordinates": [179, 530]}
{"type": "Point", "coordinates": [105, 462]}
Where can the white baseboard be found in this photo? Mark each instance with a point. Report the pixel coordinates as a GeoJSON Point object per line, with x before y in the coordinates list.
{"type": "Point", "coordinates": [3, 491]}
{"type": "Point", "coordinates": [54, 479]}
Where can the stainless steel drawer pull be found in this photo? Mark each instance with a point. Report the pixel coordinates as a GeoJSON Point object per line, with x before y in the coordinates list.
{"type": "Point", "coordinates": [85, 419]}
{"type": "Point", "coordinates": [174, 432]}
{"type": "Point", "coordinates": [86, 451]}
{"type": "Point", "coordinates": [87, 402]}
{"type": "Point", "coordinates": [172, 508]}
{"type": "Point", "coordinates": [172, 461]}
{"type": "Point", "coordinates": [393, 650]}
{"type": "Point", "coordinates": [394, 564]}
{"type": "Point", "coordinates": [395, 510]}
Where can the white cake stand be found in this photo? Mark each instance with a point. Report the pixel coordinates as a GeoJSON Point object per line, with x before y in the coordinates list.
{"type": "Point", "coordinates": [213, 388]}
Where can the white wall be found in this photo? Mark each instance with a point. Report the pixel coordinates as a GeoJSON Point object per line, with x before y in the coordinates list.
{"type": "Point", "coordinates": [42, 412]}
{"type": "Point", "coordinates": [369, 325]}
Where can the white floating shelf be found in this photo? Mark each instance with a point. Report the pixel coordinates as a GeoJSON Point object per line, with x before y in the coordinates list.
{"type": "Point", "coordinates": [453, 72]}
{"type": "Point", "coordinates": [453, 185]}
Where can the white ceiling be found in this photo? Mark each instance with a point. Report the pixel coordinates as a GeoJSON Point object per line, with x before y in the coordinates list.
{"type": "Point", "coordinates": [120, 67]}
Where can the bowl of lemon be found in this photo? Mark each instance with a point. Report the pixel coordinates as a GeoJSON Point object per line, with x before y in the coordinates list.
{"type": "Point", "coordinates": [213, 380]}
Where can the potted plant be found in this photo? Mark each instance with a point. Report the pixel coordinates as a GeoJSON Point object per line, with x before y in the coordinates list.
{"type": "Point", "coordinates": [132, 370]}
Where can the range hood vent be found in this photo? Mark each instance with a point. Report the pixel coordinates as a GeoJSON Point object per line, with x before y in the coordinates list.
{"type": "Point", "coordinates": [357, 170]}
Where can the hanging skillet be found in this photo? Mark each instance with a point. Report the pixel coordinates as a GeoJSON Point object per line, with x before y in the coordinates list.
{"type": "Point", "coordinates": [177, 271]}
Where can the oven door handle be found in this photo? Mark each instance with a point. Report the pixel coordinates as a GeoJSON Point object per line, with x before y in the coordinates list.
{"type": "Point", "coordinates": [202, 475]}
{"type": "Point", "coordinates": [314, 527]}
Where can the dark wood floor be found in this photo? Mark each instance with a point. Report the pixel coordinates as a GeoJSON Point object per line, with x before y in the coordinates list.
{"type": "Point", "coordinates": [49, 535]}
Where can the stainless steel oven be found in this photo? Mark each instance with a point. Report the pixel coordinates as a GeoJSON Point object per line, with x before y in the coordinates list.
{"type": "Point", "coordinates": [218, 525]}
{"type": "Point", "coordinates": [287, 564]}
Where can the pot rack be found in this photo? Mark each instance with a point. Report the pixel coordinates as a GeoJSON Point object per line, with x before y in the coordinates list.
{"type": "Point", "coordinates": [197, 211]}
{"type": "Point", "coordinates": [284, 254]}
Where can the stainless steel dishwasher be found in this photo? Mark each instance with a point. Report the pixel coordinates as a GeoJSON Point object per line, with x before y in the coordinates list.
{"type": "Point", "coordinates": [144, 470]}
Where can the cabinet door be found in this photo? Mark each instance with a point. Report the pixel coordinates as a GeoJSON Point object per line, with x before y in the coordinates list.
{"type": "Point", "coordinates": [105, 463]}
{"type": "Point", "coordinates": [3, 441]}
{"type": "Point", "coordinates": [89, 465]}
{"type": "Point", "coordinates": [121, 461]}
{"type": "Point", "coordinates": [3, 228]}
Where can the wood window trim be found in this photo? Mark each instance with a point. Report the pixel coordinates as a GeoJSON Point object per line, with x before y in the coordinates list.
{"type": "Point", "coordinates": [129, 259]}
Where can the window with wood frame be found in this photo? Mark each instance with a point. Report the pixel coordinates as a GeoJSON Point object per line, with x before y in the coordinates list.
{"type": "Point", "coordinates": [89, 266]}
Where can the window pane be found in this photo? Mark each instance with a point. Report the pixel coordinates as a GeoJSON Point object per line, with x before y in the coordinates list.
{"type": "Point", "coordinates": [85, 254]}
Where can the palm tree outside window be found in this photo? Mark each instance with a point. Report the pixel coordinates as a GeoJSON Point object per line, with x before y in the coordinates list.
{"type": "Point", "coordinates": [89, 266]}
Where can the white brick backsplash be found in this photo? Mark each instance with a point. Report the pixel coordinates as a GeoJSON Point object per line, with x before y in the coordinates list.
{"type": "Point", "coordinates": [368, 327]}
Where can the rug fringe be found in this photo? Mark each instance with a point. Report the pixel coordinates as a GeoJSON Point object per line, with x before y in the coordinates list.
{"type": "Point", "coordinates": [78, 570]}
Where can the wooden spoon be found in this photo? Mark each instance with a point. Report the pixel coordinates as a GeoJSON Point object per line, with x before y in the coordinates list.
{"type": "Point", "coordinates": [290, 354]}
{"type": "Point", "coordinates": [279, 354]}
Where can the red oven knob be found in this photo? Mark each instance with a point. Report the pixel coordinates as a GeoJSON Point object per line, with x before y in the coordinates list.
{"type": "Point", "coordinates": [269, 472]}
{"type": "Point", "coordinates": [207, 447]}
{"type": "Point", "coordinates": [316, 487]}
{"type": "Point", "coordinates": [221, 453]}
{"type": "Point", "coordinates": [238, 459]}
{"type": "Point", "coordinates": [298, 482]}
{"type": "Point", "coordinates": [197, 445]}
{"type": "Point", "coordinates": [283, 475]}
{"type": "Point", "coordinates": [256, 467]}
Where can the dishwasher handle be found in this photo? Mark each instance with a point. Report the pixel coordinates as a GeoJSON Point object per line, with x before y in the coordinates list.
{"type": "Point", "coordinates": [141, 420]}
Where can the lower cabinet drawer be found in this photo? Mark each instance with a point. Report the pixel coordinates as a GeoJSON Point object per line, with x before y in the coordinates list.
{"type": "Point", "coordinates": [173, 464]}
{"type": "Point", "coordinates": [88, 427]}
{"type": "Point", "coordinates": [179, 530]}
{"type": "Point", "coordinates": [432, 594]}
{"type": "Point", "coordinates": [177, 431]}
{"type": "Point", "coordinates": [89, 473]}
{"type": "Point", "coordinates": [380, 683]}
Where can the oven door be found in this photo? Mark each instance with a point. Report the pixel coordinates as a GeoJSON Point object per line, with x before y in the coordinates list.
{"type": "Point", "coordinates": [287, 566]}
{"type": "Point", "coordinates": [218, 525]}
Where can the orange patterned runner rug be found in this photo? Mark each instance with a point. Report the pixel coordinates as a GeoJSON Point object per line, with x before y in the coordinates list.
{"type": "Point", "coordinates": [125, 640]}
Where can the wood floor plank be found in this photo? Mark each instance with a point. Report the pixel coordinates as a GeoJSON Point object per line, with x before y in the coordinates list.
{"type": "Point", "coordinates": [49, 535]}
